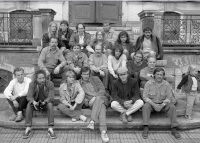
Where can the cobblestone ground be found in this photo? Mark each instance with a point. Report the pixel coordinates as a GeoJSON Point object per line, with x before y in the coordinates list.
{"type": "Point", "coordinates": [85, 136]}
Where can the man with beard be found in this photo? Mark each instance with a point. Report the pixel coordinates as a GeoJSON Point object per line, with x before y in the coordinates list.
{"type": "Point", "coordinates": [16, 93]}
{"type": "Point", "coordinates": [40, 97]}
{"type": "Point", "coordinates": [157, 96]}
{"type": "Point", "coordinates": [99, 65]}
{"type": "Point", "coordinates": [125, 95]}
{"type": "Point", "coordinates": [49, 58]}
{"type": "Point", "coordinates": [147, 72]}
{"type": "Point", "coordinates": [149, 44]}
{"type": "Point", "coordinates": [95, 97]}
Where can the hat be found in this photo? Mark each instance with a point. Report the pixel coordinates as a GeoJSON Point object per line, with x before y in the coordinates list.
{"type": "Point", "coordinates": [122, 70]}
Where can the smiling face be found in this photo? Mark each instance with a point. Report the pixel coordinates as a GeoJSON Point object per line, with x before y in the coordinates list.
{"type": "Point", "coordinates": [151, 62]}
{"type": "Point", "coordinates": [138, 58]}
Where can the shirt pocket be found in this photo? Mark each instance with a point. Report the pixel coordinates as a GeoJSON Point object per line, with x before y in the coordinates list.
{"type": "Point", "coordinates": [152, 94]}
{"type": "Point", "coordinates": [162, 95]}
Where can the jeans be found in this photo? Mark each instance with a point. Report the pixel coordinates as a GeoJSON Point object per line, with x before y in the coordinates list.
{"type": "Point", "coordinates": [29, 114]}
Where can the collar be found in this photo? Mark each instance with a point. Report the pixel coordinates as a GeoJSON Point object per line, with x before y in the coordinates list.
{"type": "Point", "coordinates": [81, 81]}
{"type": "Point", "coordinates": [65, 86]}
{"type": "Point", "coordinates": [82, 35]}
{"type": "Point", "coordinates": [153, 82]}
{"type": "Point", "coordinates": [55, 50]}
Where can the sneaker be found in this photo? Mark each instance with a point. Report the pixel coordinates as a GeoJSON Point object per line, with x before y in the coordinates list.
{"type": "Point", "coordinates": [19, 118]}
{"type": "Point", "coordinates": [13, 117]}
{"type": "Point", "coordinates": [176, 134]}
{"type": "Point", "coordinates": [104, 136]}
{"type": "Point", "coordinates": [130, 118]}
{"type": "Point", "coordinates": [83, 118]}
{"type": "Point", "coordinates": [26, 134]}
{"type": "Point", "coordinates": [74, 120]}
{"type": "Point", "coordinates": [91, 125]}
{"type": "Point", "coordinates": [52, 135]}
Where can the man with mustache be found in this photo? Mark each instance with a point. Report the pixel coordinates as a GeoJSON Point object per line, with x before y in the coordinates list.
{"type": "Point", "coordinates": [40, 97]}
{"type": "Point", "coordinates": [157, 96]}
{"type": "Point", "coordinates": [49, 58]}
{"type": "Point", "coordinates": [98, 63]}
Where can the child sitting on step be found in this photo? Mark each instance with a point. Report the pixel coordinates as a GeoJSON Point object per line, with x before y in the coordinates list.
{"type": "Point", "coordinates": [190, 84]}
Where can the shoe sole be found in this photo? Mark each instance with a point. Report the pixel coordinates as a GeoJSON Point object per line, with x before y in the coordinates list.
{"type": "Point", "coordinates": [51, 136]}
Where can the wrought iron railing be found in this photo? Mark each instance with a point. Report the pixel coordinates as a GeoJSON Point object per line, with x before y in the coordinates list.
{"type": "Point", "coordinates": [16, 28]}
{"type": "Point", "coordinates": [181, 30]}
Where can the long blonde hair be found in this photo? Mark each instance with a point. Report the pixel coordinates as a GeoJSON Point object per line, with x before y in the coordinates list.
{"type": "Point", "coordinates": [50, 34]}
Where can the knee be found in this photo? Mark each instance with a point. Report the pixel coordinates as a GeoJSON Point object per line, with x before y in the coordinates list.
{"type": "Point", "coordinates": [50, 105]}
{"type": "Point", "coordinates": [114, 104]}
{"type": "Point", "coordinates": [98, 98]}
{"type": "Point", "coordinates": [172, 107]}
{"type": "Point", "coordinates": [140, 102]}
{"type": "Point", "coordinates": [60, 106]}
{"type": "Point", "coordinates": [146, 106]}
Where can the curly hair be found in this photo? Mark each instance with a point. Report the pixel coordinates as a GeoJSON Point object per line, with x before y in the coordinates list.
{"type": "Point", "coordinates": [36, 75]}
{"type": "Point", "coordinates": [123, 33]}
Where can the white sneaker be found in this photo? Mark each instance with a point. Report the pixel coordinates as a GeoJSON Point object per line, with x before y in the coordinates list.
{"type": "Point", "coordinates": [83, 118]}
{"type": "Point", "coordinates": [91, 125]}
{"type": "Point", "coordinates": [104, 136]}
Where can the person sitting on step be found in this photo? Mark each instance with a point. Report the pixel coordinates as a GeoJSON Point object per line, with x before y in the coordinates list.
{"type": "Point", "coordinates": [72, 97]}
{"type": "Point", "coordinates": [76, 60]}
{"type": "Point", "coordinates": [157, 96]}
{"type": "Point", "coordinates": [98, 63]}
{"type": "Point", "coordinates": [49, 58]}
{"type": "Point", "coordinates": [125, 95]}
{"type": "Point", "coordinates": [40, 96]}
{"type": "Point", "coordinates": [95, 97]}
{"type": "Point", "coordinates": [16, 93]}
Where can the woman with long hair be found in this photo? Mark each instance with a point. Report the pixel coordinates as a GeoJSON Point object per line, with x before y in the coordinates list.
{"type": "Point", "coordinates": [116, 60]}
{"type": "Point", "coordinates": [100, 40]}
{"type": "Point", "coordinates": [52, 32]}
{"type": "Point", "coordinates": [124, 40]}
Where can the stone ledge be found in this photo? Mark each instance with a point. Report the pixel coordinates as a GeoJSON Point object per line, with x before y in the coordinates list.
{"type": "Point", "coordinates": [156, 122]}
{"type": "Point", "coordinates": [18, 48]}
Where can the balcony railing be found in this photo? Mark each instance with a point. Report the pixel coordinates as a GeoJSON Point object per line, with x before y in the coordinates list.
{"type": "Point", "coordinates": [16, 28]}
{"type": "Point", "coordinates": [183, 30]}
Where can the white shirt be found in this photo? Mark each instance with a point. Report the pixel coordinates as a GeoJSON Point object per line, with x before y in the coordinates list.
{"type": "Point", "coordinates": [194, 85]}
{"type": "Point", "coordinates": [147, 45]}
{"type": "Point", "coordinates": [81, 39]}
{"type": "Point", "coordinates": [114, 64]}
{"type": "Point", "coordinates": [16, 88]}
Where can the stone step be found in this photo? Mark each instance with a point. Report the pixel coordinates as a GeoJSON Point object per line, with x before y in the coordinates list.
{"type": "Point", "coordinates": [156, 122]}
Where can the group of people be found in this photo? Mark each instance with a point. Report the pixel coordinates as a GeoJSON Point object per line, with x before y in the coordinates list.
{"type": "Point", "coordinates": [97, 74]}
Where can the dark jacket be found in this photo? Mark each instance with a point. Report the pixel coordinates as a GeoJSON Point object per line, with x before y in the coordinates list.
{"type": "Point", "coordinates": [187, 83]}
{"type": "Point", "coordinates": [34, 90]}
{"type": "Point", "coordinates": [130, 47]}
{"type": "Point", "coordinates": [46, 40]}
{"type": "Point", "coordinates": [128, 91]}
{"type": "Point", "coordinates": [67, 36]}
{"type": "Point", "coordinates": [98, 87]}
{"type": "Point", "coordinates": [74, 39]}
{"type": "Point", "coordinates": [156, 44]}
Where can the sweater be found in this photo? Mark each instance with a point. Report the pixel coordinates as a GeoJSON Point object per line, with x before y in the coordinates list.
{"type": "Point", "coordinates": [133, 68]}
{"type": "Point", "coordinates": [146, 73]}
{"type": "Point", "coordinates": [129, 91]}
{"type": "Point", "coordinates": [98, 61]}
{"type": "Point", "coordinates": [114, 64]}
